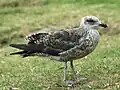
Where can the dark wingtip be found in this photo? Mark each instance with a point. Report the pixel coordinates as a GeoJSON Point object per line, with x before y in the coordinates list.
{"type": "Point", "coordinates": [12, 45]}
{"type": "Point", "coordinates": [12, 53]}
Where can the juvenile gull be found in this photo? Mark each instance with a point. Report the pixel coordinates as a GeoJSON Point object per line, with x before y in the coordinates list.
{"type": "Point", "coordinates": [64, 45]}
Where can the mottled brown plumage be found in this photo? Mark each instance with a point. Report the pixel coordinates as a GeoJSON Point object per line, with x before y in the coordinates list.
{"type": "Point", "coordinates": [68, 44]}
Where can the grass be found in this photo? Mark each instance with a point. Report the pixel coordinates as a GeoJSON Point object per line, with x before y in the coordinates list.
{"type": "Point", "coordinates": [102, 67]}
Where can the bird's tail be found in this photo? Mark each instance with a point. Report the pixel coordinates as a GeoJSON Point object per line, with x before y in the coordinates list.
{"type": "Point", "coordinates": [21, 52]}
{"type": "Point", "coordinates": [27, 49]}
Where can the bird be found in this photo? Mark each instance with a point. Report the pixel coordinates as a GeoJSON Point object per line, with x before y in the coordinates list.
{"type": "Point", "coordinates": [64, 45]}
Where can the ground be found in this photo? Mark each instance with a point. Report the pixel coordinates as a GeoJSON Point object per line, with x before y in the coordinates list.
{"type": "Point", "coordinates": [18, 19]}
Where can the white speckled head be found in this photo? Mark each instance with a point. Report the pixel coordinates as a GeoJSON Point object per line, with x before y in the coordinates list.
{"type": "Point", "coordinates": [92, 22]}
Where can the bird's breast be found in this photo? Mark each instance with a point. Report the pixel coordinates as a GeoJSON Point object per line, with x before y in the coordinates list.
{"type": "Point", "coordinates": [92, 40]}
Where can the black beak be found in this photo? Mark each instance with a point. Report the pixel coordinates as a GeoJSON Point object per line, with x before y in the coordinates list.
{"type": "Point", "coordinates": [103, 25]}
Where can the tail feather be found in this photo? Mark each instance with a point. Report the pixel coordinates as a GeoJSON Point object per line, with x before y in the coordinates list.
{"type": "Point", "coordinates": [29, 47]}
{"type": "Point", "coordinates": [21, 52]}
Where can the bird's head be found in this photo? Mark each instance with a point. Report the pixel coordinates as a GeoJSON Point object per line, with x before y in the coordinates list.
{"type": "Point", "coordinates": [92, 22]}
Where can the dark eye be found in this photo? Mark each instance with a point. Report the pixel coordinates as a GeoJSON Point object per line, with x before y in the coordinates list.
{"type": "Point", "coordinates": [91, 21]}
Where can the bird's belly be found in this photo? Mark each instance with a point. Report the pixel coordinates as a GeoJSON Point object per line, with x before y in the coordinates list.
{"type": "Point", "coordinates": [83, 53]}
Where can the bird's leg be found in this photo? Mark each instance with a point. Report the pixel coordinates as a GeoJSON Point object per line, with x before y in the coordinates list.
{"type": "Point", "coordinates": [73, 70]}
{"type": "Point", "coordinates": [65, 69]}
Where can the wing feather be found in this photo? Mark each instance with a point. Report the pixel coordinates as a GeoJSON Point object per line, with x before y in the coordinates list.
{"type": "Point", "coordinates": [52, 43]}
{"type": "Point", "coordinates": [61, 39]}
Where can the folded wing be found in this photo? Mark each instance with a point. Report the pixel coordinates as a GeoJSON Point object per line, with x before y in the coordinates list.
{"type": "Point", "coordinates": [50, 43]}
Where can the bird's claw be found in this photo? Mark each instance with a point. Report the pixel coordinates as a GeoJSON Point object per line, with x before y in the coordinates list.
{"type": "Point", "coordinates": [70, 83]}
